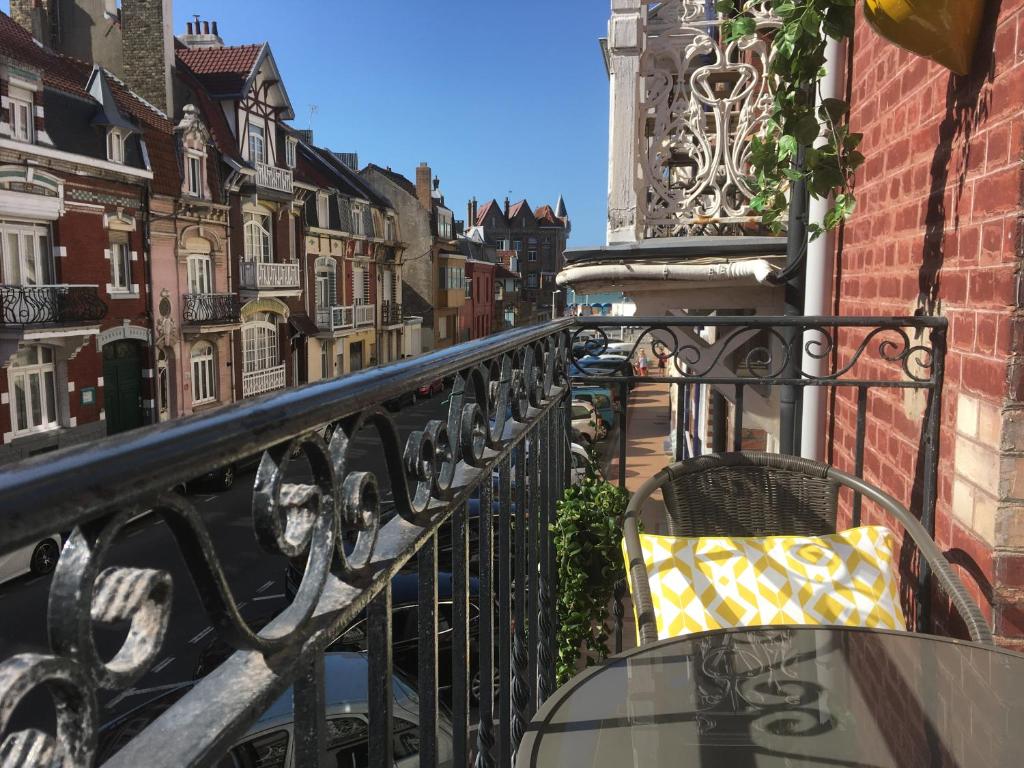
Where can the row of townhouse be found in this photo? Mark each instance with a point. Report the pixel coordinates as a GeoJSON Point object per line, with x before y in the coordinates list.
{"type": "Point", "coordinates": [169, 243]}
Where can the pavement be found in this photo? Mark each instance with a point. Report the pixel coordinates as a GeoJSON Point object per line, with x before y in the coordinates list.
{"type": "Point", "coordinates": [648, 425]}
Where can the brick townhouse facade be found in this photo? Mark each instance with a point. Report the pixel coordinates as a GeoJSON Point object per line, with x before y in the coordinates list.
{"type": "Point", "coordinates": [938, 231]}
{"type": "Point", "coordinates": [77, 153]}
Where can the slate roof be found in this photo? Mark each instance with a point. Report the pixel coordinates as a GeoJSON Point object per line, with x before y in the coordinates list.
{"type": "Point", "coordinates": [342, 178]}
{"type": "Point", "coordinates": [394, 176]}
{"type": "Point", "coordinates": [69, 120]}
{"type": "Point", "coordinates": [223, 71]}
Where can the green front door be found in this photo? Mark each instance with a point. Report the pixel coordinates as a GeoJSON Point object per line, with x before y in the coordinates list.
{"type": "Point", "coordinates": [122, 386]}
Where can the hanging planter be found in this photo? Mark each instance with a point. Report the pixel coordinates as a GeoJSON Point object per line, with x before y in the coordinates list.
{"type": "Point", "coordinates": [945, 31]}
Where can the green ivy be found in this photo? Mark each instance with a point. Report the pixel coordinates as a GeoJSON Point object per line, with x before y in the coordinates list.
{"type": "Point", "coordinates": [588, 545]}
{"type": "Point", "coordinates": [796, 117]}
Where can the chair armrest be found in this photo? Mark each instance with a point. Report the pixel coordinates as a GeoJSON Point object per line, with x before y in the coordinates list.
{"type": "Point", "coordinates": [947, 579]}
{"type": "Point", "coordinates": [639, 585]}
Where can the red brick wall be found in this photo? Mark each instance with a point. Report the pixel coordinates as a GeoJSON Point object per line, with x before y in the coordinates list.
{"type": "Point", "coordinates": [936, 232]}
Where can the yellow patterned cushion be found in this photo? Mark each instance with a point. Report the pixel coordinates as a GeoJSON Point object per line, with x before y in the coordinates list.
{"type": "Point", "coordinates": [719, 582]}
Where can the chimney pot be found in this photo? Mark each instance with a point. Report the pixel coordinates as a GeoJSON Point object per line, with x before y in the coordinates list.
{"type": "Point", "coordinates": [215, 30]}
{"type": "Point", "coordinates": [206, 27]}
{"type": "Point", "coordinates": [188, 27]}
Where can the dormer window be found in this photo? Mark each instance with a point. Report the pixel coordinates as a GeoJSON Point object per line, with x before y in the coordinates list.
{"type": "Point", "coordinates": [257, 143]}
{"type": "Point", "coordinates": [22, 112]}
{"type": "Point", "coordinates": [323, 208]}
{"type": "Point", "coordinates": [289, 152]}
{"type": "Point", "coordinates": [115, 145]}
{"type": "Point", "coordinates": [194, 174]}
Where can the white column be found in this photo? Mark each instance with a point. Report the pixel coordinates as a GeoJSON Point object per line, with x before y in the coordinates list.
{"type": "Point", "coordinates": [626, 40]}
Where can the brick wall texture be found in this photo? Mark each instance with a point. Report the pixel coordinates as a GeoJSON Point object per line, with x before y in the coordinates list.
{"type": "Point", "coordinates": [938, 231]}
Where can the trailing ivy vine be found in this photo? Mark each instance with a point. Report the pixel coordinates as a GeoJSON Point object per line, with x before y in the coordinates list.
{"type": "Point", "coordinates": [588, 545]}
{"type": "Point", "coordinates": [797, 118]}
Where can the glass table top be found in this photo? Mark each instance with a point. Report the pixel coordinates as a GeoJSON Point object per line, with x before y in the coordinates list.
{"type": "Point", "coordinates": [789, 697]}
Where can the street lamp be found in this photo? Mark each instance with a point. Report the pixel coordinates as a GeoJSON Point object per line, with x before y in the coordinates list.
{"type": "Point", "coordinates": [554, 304]}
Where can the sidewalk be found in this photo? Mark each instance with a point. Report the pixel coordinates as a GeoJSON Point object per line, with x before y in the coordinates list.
{"type": "Point", "coordinates": [647, 427]}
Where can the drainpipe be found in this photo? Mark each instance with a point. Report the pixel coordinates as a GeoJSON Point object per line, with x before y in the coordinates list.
{"type": "Point", "coordinates": [147, 253]}
{"type": "Point", "coordinates": [818, 282]}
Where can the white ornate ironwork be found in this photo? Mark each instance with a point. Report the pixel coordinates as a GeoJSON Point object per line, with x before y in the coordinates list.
{"type": "Point", "coordinates": [365, 314]}
{"type": "Point", "coordinates": [272, 177]}
{"type": "Point", "coordinates": [335, 318]}
{"type": "Point", "coordinates": [264, 275]}
{"type": "Point", "coordinates": [702, 100]}
{"type": "Point", "coordinates": [268, 380]}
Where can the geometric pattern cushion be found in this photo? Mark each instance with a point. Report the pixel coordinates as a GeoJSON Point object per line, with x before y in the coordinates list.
{"type": "Point", "coordinates": [720, 582]}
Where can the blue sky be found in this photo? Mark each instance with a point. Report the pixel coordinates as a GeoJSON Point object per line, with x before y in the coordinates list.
{"type": "Point", "coordinates": [500, 98]}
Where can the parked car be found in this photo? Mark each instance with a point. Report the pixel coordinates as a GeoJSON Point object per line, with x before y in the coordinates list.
{"type": "Point", "coordinates": [595, 366]}
{"type": "Point", "coordinates": [581, 461]}
{"type": "Point", "coordinates": [404, 627]}
{"type": "Point", "coordinates": [269, 743]}
{"type": "Point", "coordinates": [584, 420]}
{"type": "Point", "coordinates": [222, 478]}
{"type": "Point", "coordinates": [39, 559]}
{"type": "Point", "coordinates": [431, 389]}
{"type": "Point", "coordinates": [413, 396]}
{"type": "Point", "coordinates": [602, 400]}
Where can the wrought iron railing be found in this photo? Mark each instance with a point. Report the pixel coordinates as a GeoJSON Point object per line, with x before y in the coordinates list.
{"type": "Point", "coordinates": [272, 177]}
{"type": "Point", "coordinates": [268, 275]}
{"type": "Point", "coordinates": [506, 419]}
{"type": "Point", "coordinates": [39, 304]}
{"type": "Point", "coordinates": [391, 313]}
{"type": "Point", "coordinates": [266, 380]}
{"type": "Point", "coordinates": [335, 318]}
{"type": "Point", "coordinates": [483, 479]}
{"type": "Point", "coordinates": [211, 308]}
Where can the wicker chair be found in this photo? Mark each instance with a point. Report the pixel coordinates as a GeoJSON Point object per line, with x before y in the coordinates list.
{"type": "Point", "coordinates": [762, 494]}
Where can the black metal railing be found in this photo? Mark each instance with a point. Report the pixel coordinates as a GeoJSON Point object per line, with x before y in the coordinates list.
{"type": "Point", "coordinates": [391, 313]}
{"type": "Point", "coordinates": [730, 371]}
{"type": "Point", "coordinates": [495, 461]}
{"type": "Point", "coordinates": [40, 304]}
{"type": "Point", "coordinates": [211, 308]}
{"type": "Point", "coordinates": [471, 491]}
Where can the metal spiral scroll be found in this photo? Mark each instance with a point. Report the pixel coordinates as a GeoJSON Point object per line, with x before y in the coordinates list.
{"type": "Point", "coordinates": [294, 520]}
{"type": "Point", "coordinates": [693, 361]}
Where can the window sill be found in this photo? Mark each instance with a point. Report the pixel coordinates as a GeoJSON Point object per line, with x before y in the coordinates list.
{"type": "Point", "coordinates": [205, 405]}
{"type": "Point", "coordinates": [125, 294]}
{"type": "Point", "coordinates": [35, 431]}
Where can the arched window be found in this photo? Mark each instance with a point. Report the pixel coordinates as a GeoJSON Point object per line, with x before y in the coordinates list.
{"type": "Point", "coordinates": [204, 388]}
{"type": "Point", "coordinates": [259, 343]}
{"type": "Point", "coordinates": [258, 245]}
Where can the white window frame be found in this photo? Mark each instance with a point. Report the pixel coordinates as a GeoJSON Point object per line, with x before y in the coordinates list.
{"type": "Point", "coordinates": [260, 344]}
{"type": "Point", "coordinates": [531, 255]}
{"type": "Point", "coordinates": [259, 245]}
{"type": "Point", "coordinates": [390, 228]}
{"type": "Point", "coordinates": [357, 219]}
{"type": "Point", "coordinates": [256, 140]}
{"type": "Point", "coordinates": [120, 267]}
{"type": "Point", "coordinates": [24, 267]}
{"type": "Point", "coordinates": [204, 372]}
{"type": "Point", "coordinates": [290, 147]}
{"type": "Point", "coordinates": [200, 273]}
{"type": "Point", "coordinates": [194, 180]}
{"type": "Point", "coordinates": [22, 110]}
{"type": "Point", "coordinates": [326, 272]}
{"type": "Point", "coordinates": [45, 374]}
{"type": "Point", "coordinates": [534, 278]}
{"type": "Point", "coordinates": [115, 145]}
{"type": "Point", "coordinates": [323, 210]}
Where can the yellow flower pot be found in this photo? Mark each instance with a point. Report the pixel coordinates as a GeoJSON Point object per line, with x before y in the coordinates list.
{"type": "Point", "coordinates": [945, 31]}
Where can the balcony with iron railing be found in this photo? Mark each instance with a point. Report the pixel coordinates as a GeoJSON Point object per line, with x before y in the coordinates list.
{"type": "Point", "coordinates": [270, 276]}
{"type": "Point", "coordinates": [470, 508]}
{"type": "Point", "coordinates": [365, 314]}
{"type": "Point", "coordinates": [336, 318]}
{"type": "Point", "coordinates": [391, 313]}
{"type": "Point", "coordinates": [199, 309]}
{"type": "Point", "coordinates": [274, 178]}
{"type": "Point", "coordinates": [50, 304]}
{"type": "Point", "coordinates": [260, 382]}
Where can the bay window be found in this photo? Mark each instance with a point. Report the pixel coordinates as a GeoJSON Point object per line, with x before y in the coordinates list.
{"type": "Point", "coordinates": [259, 343]}
{"type": "Point", "coordinates": [258, 246]}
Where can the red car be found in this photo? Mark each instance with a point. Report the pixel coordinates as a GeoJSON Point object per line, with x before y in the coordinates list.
{"type": "Point", "coordinates": [429, 390]}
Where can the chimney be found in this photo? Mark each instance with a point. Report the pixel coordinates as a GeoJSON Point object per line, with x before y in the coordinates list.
{"type": "Point", "coordinates": [202, 34]}
{"type": "Point", "coordinates": [423, 180]}
{"type": "Point", "coordinates": [506, 207]}
{"type": "Point", "coordinates": [33, 15]}
{"type": "Point", "coordinates": [148, 45]}
{"type": "Point", "coordinates": [469, 214]}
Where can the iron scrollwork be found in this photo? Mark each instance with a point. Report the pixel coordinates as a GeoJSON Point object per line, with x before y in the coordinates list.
{"type": "Point", "coordinates": [315, 521]}
{"type": "Point", "coordinates": [40, 304]}
{"type": "Point", "coordinates": [211, 308]}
